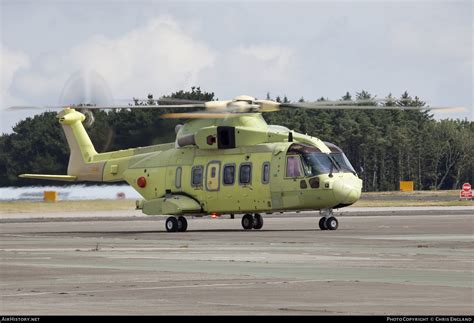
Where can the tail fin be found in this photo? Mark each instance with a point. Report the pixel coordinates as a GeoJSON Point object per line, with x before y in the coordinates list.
{"type": "Point", "coordinates": [81, 159]}
{"type": "Point", "coordinates": [82, 166]}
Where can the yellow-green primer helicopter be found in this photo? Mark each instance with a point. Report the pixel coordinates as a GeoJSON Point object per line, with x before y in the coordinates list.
{"type": "Point", "coordinates": [226, 160]}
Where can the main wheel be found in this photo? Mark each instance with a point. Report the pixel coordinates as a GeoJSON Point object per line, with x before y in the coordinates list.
{"type": "Point", "coordinates": [247, 221]}
{"type": "Point", "coordinates": [322, 223]}
{"type": "Point", "coordinates": [182, 224]}
{"type": "Point", "coordinates": [257, 221]}
{"type": "Point", "coordinates": [172, 224]}
{"type": "Point", "coordinates": [331, 223]}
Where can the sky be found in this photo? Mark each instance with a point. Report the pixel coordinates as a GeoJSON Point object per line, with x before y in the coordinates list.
{"type": "Point", "coordinates": [295, 48]}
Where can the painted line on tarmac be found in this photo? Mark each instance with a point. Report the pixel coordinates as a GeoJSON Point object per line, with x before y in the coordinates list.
{"type": "Point", "coordinates": [76, 292]}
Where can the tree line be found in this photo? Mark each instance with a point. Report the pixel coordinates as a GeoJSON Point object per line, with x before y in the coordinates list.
{"type": "Point", "coordinates": [384, 146]}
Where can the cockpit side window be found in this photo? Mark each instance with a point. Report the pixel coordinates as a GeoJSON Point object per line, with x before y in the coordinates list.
{"type": "Point", "coordinates": [293, 168]}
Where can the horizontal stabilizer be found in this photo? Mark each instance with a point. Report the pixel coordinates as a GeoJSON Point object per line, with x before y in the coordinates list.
{"type": "Point", "coordinates": [66, 178]}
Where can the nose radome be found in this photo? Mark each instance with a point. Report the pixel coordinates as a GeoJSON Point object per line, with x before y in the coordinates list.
{"type": "Point", "coordinates": [353, 196]}
{"type": "Point", "coordinates": [346, 191]}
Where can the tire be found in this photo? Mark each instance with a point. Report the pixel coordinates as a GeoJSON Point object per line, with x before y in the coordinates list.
{"type": "Point", "coordinates": [257, 221]}
{"type": "Point", "coordinates": [247, 221]}
{"type": "Point", "coordinates": [182, 224]}
{"type": "Point", "coordinates": [331, 223]}
{"type": "Point", "coordinates": [322, 224]}
{"type": "Point", "coordinates": [171, 224]}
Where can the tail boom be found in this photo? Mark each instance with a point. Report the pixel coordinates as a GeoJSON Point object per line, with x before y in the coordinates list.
{"type": "Point", "coordinates": [85, 164]}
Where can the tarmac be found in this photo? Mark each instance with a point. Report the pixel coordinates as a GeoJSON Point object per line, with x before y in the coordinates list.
{"type": "Point", "coordinates": [383, 261]}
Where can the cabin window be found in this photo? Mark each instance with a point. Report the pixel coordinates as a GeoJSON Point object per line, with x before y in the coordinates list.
{"type": "Point", "coordinates": [266, 173]}
{"type": "Point", "coordinates": [196, 176]}
{"type": "Point", "coordinates": [229, 174]}
{"type": "Point", "coordinates": [293, 166]}
{"type": "Point", "coordinates": [245, 174]}
{"type": "Point", "coordinates": [177, 180]}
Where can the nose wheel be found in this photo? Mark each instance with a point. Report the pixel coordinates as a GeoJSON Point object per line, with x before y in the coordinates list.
{"type": "Point", "coordinates": [328, 221]}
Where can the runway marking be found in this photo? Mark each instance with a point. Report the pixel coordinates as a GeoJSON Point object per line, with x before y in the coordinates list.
{"type": "Point", "coordinates": [424, 237]}
{"type": "Point", "coordinates": [170, 287]}
{"type": "Point", "coordinates": [87, 248]}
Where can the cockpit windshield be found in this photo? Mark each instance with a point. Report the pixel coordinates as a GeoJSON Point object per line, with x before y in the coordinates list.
{"type": "Point", "coordinates": [317, 164]}
{"type": "Point", "coordinates": [338, 155]}
{"type": "Point", "coordinates": [343, 162]}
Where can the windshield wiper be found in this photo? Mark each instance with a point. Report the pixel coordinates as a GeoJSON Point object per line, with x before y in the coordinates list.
{"type": "Point", "coordinates": [335, 163]}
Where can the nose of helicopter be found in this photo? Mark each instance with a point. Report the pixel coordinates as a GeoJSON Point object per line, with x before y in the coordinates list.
{"type": "Point", "coordinates": [347, 190]}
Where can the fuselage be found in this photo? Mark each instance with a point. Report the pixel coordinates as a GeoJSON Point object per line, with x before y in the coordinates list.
{"type": "Point", "coordinates": [265, 177]}
{"type": "Point", "coordinates": [236, 164]}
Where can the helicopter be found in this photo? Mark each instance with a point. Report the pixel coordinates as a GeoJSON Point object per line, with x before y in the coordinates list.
{"type": "Point", "coordinates": [225, 160]}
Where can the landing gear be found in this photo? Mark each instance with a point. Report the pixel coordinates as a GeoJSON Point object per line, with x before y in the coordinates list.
{"type": "Point", "coordinates": [174, 224]}
{"type": "Point", "coordinates": [258, 221]}
{"type": "Point", "coordinates": [171, 224]}
{"type": "Point", "coordinates": [182, 224]}
{"type": "Point", "coordinates": [322, 224]}
{"type": "Point", "coordinates": [328, 221]}
{"type": "Point", "coordinates": [250, 222]}
{"type": "Point", "coordinates": [247, 221]}
{"type": "Point", "coordinates": [331, 223]}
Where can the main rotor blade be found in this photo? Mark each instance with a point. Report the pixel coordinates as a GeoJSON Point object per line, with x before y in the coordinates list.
{"type": "Point", "coordinates": [312, 106]}
{"type": "Point", "coordinates": [196, 115]}
{"type": "Point", "coordinates": [146, 106]}
{"type": "Point", "coordinates": [172, 101]}
{"type": "Point", "coordinates": [106, 107]}
{"type": "Point", "coordinates": [355, 102]}
{"type": "Point", "coordinates": [161, 101]}
{"type": "Point", "coordinates": [32, 107]}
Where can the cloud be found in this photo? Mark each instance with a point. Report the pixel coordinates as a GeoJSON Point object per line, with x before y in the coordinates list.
{"type": "Point", "coordinates": [272, 62]}
{"type": "Point", "coordinates": [445, 40]}
{"type": "Point", "coordinates": [252, 69]}
{"type": "Point", "coordinates": [158, 57]}
{"type": "Point", "coordinates": [321, 49]}
{"type": "Point", "coordinates": [11, 61]}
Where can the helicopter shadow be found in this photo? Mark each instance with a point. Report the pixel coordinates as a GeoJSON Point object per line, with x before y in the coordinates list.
{"type": "Point", "coordinates": [250, 231]}
{"type": "Point", "coordinates": [94, 233]}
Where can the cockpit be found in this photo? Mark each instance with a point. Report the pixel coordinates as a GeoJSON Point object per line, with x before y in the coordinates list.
{"type": "Point", "coordinates": [305, 160]}
{"type": "Point", "coordinates": [341, 159]}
